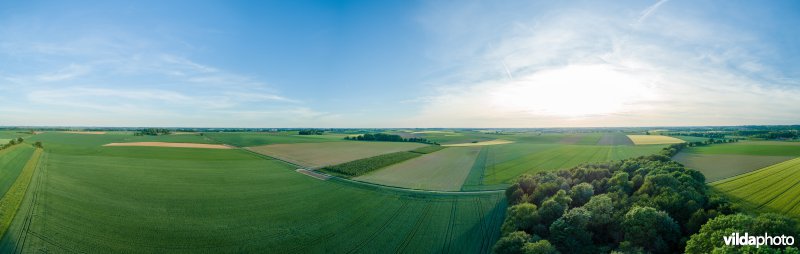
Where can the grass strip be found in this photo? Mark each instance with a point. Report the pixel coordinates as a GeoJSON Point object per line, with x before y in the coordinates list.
{"type": "Point", "coordinates": [11, 201]}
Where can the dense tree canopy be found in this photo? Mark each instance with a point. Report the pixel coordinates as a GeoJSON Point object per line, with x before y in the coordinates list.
{"type": "Point", "coordinates": [646, 204]}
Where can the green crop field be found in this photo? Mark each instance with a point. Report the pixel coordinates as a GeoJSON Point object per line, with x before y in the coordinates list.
{"type": "Point", "coordinates": [691, 138]}
{"type": "Point", "coordinates": [720, 166]}
{"type": "Point", "coordinates": [769, 148]}
{"type": "Point", "coordinates": [616, 138]}
{"type": "Point", "coordinates": [504, 163]}
{"type": "Point", "coordinates": [720, 161]}
{"type": "Point", "coordinates": [88, 198]}
{"type": "Point", "coordinates": [366, 165]}
{"type": "Point", "coordinates": [771, 189]}
{"type": "Point", "coordinates": [316, 155]}
{"type": "Point", "coordinates": [12, 160]}
{"type": "Point", "coordinates": [442, 170]}
{"type": "Point", "coordinates": [245, 139]}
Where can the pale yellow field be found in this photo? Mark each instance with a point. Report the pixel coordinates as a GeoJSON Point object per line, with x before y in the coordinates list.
{"type": "Point", "coordinates": [653, 139]}
{"type": "Point", "coordinates": [317, 155]}
{"type": "Point", "coordinates": [168, 144]}
{"type": "Point", "coordinates": [484, 143]}
{"type": "Point", "coordinates": [86, 132]}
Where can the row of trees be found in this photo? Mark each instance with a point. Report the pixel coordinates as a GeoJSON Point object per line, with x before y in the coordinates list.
{"type": "Point", "coordinates": [152, 132]}
{"type": "Point", "coordinates": [12, 142]}
{"type": "Point", "coordinates": [389, 138]}
{"type": "Point", "coordinates": [311, 132]}
{"type": "Point", "coordinates": [642, 205]}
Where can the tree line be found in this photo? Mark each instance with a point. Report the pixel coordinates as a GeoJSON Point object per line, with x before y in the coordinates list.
{"type": "Point", "coordinates": [311, 132]}
{"type": "Point", "coordinates": [152, 132]}
{"type": "Point", "coordinates": [389, 138]}
{"type": "Point", "coordinates": [648, 204]}
{"type": "Point", "coordinates": [12, 142]}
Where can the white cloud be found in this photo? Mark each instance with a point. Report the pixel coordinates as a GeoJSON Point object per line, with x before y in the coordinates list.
{"type": "Point", "coordinates": [576, 68]}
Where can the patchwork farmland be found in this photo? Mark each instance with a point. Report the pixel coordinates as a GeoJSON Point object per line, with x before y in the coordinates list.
{"type": "Point", "coordinates": [126, 193]}
{"type": "Point", "coordinates": [86, 197]}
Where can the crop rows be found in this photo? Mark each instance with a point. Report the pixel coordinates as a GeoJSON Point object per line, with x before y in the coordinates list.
{"type": "Point", "coordinates": [366, 165]}
{"type": "Point", "coordinates": [773, 189]}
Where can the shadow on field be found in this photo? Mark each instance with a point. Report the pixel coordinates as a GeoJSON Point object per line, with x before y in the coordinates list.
{"type": "Point", "coordinates": [489, 226]}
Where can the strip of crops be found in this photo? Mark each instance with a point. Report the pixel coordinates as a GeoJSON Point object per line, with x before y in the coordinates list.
{"type": "Point", "coordinates": [12, 199]}
{"type": "Point", "coordinates": [366, 165]}
{"type": "Point", "coordinates": [428, 149]}
{"type": "Point", "coordinates": [771, 189]}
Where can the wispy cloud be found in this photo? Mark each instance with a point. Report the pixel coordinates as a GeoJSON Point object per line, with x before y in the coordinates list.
{"type": "Point", "coordinates": [649, 11]}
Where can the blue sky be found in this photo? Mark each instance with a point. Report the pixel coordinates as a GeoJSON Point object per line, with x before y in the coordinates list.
{"type": "Point", "coordinates": [399, 63]}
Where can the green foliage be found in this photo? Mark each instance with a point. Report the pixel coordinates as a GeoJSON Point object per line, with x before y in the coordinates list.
{"type": "Point", "coordinates": [652, 230]}
{"type": "Point", "coordinates": [709, 239]}
{"type": "Point", "coordinates": [366, 165]}
{"type": "Point", "coordinates": [512, 243]}
{"type": "Point", "coordinates": [539, 247]}
{"type": "Point", "coordinates": [645, 204]}
{"type": "Point", "coordinates": [388, 138]}
{"type": "Point", "coordinates": [311, 132]}
{"type": "Point", "coordinates": [570, 233]}
{"type": "Point", "coordinates": [152, 132]}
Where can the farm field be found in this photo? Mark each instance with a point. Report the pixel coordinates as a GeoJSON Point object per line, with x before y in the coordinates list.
{"type": "Point", "coordinates": [720, 166]}
{"type": "Point", "coordinates": [12, 160]}
{"type": "Point", "coordinates": [506, 162]}
{"type": "Point", "coordinates": [771, 189]}
{"type": "Point", "coordinates": [246, 139]}
{"type": "Point", "coordinates": [316, 155]}
{"type": "Point", "coordinates": [443, 170]}
{"type": "Point", "coordinates": [691, 138]}
{"type": "Point", "coordinates": [615, 139]}
{"type": "Point", "coordinates": [89, 198]}
{"type": "Point", "coordinates": [484, 143]}
{"type": "Point", "coordinates": [720, 161]}
{"type": "Point", "coordinates": [654, 139]}
{"type": "Point", "coordinates": [769, 148]}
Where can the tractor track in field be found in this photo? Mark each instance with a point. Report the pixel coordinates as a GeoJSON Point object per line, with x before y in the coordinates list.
{"type": "Point", "coordinates": [407, 240]}
{"type": "Point", "coordinates": [756, 180]}
{"type": "Point", "coordinates": [379, 230]}
{"type": "Point", "coordinates": [26, 230]}
{"type": "Point", "coordinates": [448, 241]}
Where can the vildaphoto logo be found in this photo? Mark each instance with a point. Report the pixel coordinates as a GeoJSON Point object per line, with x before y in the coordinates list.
{"type": "Point", "coordinates": [758, 240]}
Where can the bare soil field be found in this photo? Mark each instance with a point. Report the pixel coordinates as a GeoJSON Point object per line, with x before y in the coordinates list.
{"type": "Point", "coordinates": [484, 143]}
{"type": "Point", "coordinates": [169, 144]}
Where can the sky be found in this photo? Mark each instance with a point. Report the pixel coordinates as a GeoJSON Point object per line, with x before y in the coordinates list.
{"type": "Point", "coordinates": [402, 63]}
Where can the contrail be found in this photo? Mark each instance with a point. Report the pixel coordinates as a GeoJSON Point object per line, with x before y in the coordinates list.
{"type": "Point", "coordinates": [508, 72]}
{"type": "Point", "coordinates": [647, 12]}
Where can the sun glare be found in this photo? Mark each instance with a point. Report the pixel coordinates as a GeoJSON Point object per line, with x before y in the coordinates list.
{"type": "Point", "coordinates": [573, 91]}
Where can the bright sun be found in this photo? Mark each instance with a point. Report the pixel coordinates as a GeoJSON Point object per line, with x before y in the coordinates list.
{"type": "Point", "coordinates": [572, 91]}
